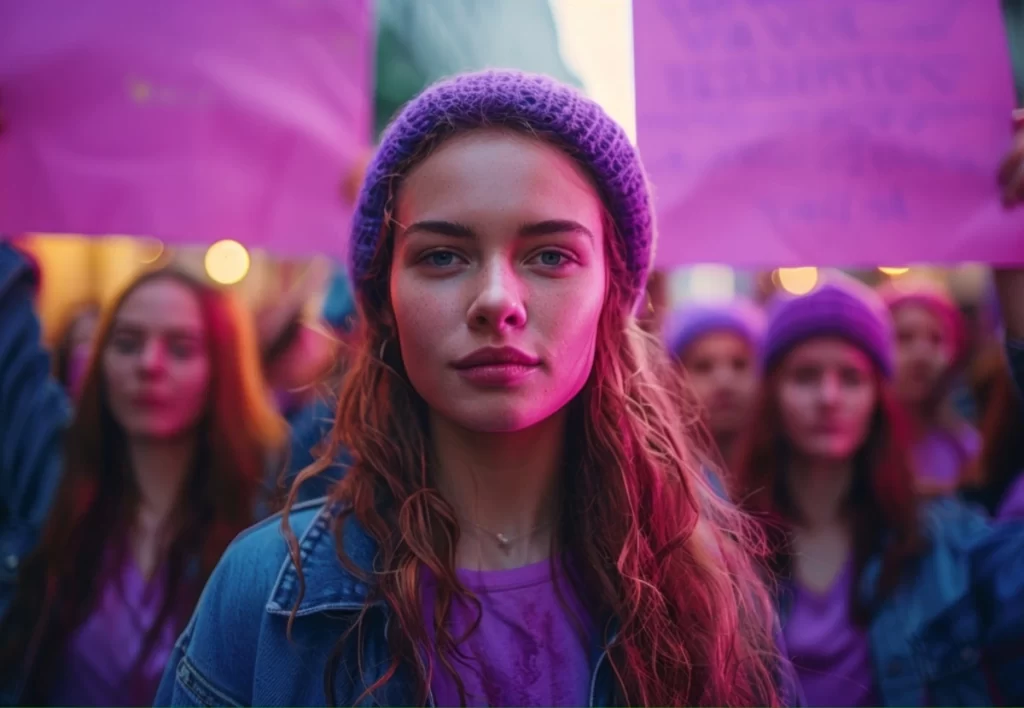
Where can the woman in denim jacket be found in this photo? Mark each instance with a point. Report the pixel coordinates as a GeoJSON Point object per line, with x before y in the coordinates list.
{"type": "Point", "coordinates": [525, 520]}
{"type": "Point", "coordinates": [882, 602]}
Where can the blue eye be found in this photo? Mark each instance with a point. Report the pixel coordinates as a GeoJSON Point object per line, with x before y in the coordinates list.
{"type": "Point", "coordinates": [552, 259]}
{"type": "Point", "coordinates": [441, 259]}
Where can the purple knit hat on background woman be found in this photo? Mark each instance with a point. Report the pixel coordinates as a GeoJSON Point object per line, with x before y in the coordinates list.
{"type": "Point", "coordinates": [691, 322]}
{"type": "Point", "coordinates": [839, 307]}
{"type": "Point", "coordinates": [509, 97]}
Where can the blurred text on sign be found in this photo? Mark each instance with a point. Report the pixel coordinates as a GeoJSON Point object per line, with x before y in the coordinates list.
{"type": "Point", "coordinates": [848, 132]}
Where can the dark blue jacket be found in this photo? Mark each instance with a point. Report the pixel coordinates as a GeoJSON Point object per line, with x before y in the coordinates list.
{"type": "Point", "coordinates": [34, 413]}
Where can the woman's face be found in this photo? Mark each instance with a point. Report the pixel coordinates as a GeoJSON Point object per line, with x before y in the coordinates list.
{"type": "Point", "coordinates": [827, 395]}
{"type": "Point", "coordinates": [156, 363]}
{"type": "Point", "coordinates": [924, 352]}
{"type": "Point", "coordinates": [498, 279]}
{"type": "Point", "coordinates": [721, 368]}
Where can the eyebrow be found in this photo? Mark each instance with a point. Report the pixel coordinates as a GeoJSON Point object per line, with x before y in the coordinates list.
{"type": "Point", "coordinates": [129, 327]}
{"type": "Point", "coordinates": [547, 227]}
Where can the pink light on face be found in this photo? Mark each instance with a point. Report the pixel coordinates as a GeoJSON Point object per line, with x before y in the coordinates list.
{"type": "Point", "coordinates": [501, 248]}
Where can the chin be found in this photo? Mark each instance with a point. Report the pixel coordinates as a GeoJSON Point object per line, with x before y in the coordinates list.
{"type": "Point", "coordinates": [496, 418]}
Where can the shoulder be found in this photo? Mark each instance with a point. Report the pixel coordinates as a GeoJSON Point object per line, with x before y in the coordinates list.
{"type": "Point", "coordinates": [949, 523]}
{"type": "Point", "coordinates": [217, 650]}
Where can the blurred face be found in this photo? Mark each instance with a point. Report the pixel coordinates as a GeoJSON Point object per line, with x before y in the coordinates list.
{"type": "Point", "coordinates": [827, 395]}
{"type": "Point", "coordinates": [720, 367]}
{"type": "Point", "coordinates": [498, 280]}
{"type": "Point", "coordinates": [924, 352]}
{"type": "Point", "coordinates": [156, 365]}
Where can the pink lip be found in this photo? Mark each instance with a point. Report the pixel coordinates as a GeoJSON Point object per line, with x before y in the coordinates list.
{"type": "Point", "coordinates": [496, 367]}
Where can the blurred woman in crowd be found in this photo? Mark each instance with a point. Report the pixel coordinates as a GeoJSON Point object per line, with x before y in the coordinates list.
{"type": "Point", "coordinates": [997, 480]}
{"type": "Point", "coordinates": [717, 345]}
{"type": "Point", "coordinates": [162, 463]}
{"type": "Point", "coordinates": [883, 601]}
{"type": "Point", "coordinates": [930, 339]}
{"type": "Point", "coordinates": [525, 520]}
{"type": "Point", "coordinates": [74, 346]}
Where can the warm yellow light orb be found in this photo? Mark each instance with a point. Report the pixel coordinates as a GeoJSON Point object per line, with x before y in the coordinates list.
{"type": "Point", "coordinates": [227, 262]}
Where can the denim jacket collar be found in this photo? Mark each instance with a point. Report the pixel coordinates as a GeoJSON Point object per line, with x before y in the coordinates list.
{"type": "Point", "coordinates": [328, 585]}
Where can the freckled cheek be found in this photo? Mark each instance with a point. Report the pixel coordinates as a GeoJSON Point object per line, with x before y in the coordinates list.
{"type": "Point", "coordinates": [425, 319]}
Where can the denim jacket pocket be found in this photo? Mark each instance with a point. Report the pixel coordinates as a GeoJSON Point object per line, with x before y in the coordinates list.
{"type": "Point", "coordinates": [201, 689]}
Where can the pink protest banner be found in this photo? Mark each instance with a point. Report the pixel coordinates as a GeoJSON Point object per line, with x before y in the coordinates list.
{"type": "Point", "coordinates": [188, 120]}
{"type": "Point", "coordinates": [838, 132]}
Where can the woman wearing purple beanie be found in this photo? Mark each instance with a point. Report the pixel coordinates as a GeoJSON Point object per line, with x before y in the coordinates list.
{"type": "Point", "coordinates": [883, 601]}
{"type": "Point", "coordinates": [525, 520]}
{"type": "Point", "coordinates": [717, 346]}
{"type": "Point", "coordinates": [930, 343]}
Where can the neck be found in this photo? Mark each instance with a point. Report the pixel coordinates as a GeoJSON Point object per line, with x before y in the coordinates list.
{"type": "Point", "coordinates": [818, 490]}
{"type": "Point", "coordinates": [726, 443]}
{"type": "Point", "coordinates": [501, 483]}
{"type": "Point", "coordinates": [160, 469]}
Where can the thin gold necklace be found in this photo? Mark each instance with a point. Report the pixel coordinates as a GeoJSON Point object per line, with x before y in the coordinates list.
{"type": "Point", "coordinates": [505, 542]}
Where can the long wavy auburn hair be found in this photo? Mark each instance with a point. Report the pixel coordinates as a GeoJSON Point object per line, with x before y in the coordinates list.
{"type": "Point", "coordinates": [882, 500]}
{"type": "Point", "coordinates": [653, 547]}
{"type": "Point", "coordinates": [95, 503]}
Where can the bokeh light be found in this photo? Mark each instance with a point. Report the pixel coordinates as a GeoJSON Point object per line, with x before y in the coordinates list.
{"type": "Point", "coordinates": [798, 281]}
{"type": "Point", "coordinates": [894, 270]}
{"type": "Point", "coordinates": [227, 262]}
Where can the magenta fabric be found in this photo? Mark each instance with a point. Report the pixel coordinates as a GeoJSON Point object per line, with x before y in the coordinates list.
{"type": "Point", "coordinates": [528, 650]}
{"type": "Point", "coordinates": [831, 656]}
{"type": "Point", "coordinates": [99, 659]}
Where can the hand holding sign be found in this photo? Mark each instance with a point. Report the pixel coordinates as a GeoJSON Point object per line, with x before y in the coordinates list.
{"type": "Point", "coordinates": [852, 132]}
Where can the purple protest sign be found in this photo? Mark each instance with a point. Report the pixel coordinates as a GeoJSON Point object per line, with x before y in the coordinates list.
{"type": "Point", "coordinates": [847, 132]}
{"type": "Point", "coordinates": [188, 121]}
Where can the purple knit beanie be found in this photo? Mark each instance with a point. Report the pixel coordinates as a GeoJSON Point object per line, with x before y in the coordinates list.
{"type": "Point", "coordinates": [690, 323]}
{"type": "Point", "coordinates": [494, 98]}
{"type": "Point", "coordinates": [838, 307]}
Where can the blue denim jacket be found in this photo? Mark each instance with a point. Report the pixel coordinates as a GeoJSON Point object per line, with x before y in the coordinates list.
{"type": "Point", "coordinates": [34, 413]}
{"type": "Point", "coordinates": [235, 651]}
{"type": "Point", "coordinates": [953, 632]}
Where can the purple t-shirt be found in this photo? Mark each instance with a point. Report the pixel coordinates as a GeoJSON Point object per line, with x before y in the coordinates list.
{"type": "Point", "coordinates": [102, 653]}
{"type": "Point", "coordinates": [940, 456]}
{"type": "Point", "coordinates": [526, 651]}
{"type": "Point", "coordinates": [831, 655]}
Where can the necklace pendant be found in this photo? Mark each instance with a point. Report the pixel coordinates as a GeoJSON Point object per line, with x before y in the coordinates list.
{"type": "Point", "coordinates": [502, 540]}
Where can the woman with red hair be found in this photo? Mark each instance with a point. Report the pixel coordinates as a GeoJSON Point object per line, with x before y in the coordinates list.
{"type": "Point", "coordinates": [132, 507]}
{"type": "Point", "coordinates": [883, 601]}
{"type": "Point", "coordinates": [525, 520]}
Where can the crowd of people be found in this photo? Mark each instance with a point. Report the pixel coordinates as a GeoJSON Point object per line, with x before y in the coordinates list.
{"type": "Point", "coordinates": [514, 493]}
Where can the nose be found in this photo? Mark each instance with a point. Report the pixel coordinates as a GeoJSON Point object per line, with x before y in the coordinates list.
{"type": "Point", "coordinates": [829, 389]}
{"type": "Point", "coordinates": [151, 358]}
{"type": "Point", "coordinates": [498, 304]}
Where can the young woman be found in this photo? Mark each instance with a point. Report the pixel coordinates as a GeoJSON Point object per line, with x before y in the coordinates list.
{"type": "Point", "coordinates": [525, 521]}
{"type": "Point", "coordinates": [929, 344]}
{"type": "Point", "coordinates": [161, 464]}
{"type": "Point", "coordinates": [717, 345]}
{"type": "Point", "coordinates": [882, 602]}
